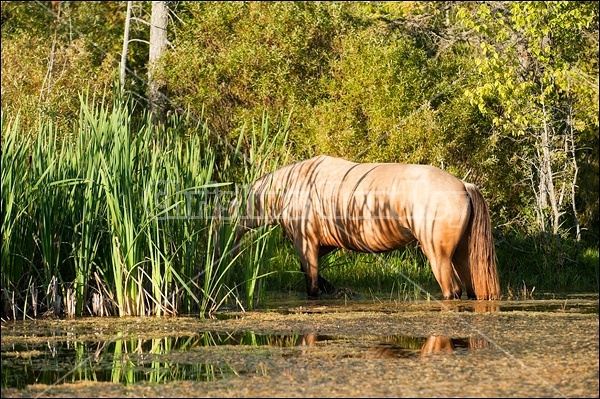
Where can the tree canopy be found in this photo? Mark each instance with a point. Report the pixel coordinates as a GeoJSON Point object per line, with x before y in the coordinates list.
{"type": "Point", "coordinates": [504, 94]}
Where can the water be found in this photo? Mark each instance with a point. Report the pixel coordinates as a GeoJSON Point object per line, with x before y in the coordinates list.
{"type": "Point", "coordinates": [131, 361]}
{"type": "Point", "coordinates": [434, 348]}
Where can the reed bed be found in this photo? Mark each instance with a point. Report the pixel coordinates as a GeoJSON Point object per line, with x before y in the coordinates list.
{"type": "Point", "coordinates": [118, 217]}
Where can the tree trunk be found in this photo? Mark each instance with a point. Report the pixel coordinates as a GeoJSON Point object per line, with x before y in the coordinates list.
{"type": "Point", "coordinates": [158, 44]}
{"type": "Point", "coordinates": [546, 166]}
{"type": "Point", "coordinates": [125, 45]}
{"type": "Point", "coordinates": [571, 138]}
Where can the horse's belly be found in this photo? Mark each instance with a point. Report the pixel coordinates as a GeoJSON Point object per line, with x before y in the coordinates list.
{"type": "Point", "coordinates": [366, 237]}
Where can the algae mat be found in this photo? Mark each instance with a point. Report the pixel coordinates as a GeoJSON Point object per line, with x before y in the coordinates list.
{"type": "Point", "coordinates": [299, 348]}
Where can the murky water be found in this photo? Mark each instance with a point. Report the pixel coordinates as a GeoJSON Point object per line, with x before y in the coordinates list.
{"type": "Point", "coordinates": [295, 347]}
{"type": "Point", "coordinates": [131, 361]}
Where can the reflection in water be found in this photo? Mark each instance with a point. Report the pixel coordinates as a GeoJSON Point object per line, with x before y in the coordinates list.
{"type": "Point", "coordinates": [440, 344]}
{"type": "Point", "coordinates": [437, 344]}
{"type": "Point", "coordinates": [162, 360]}
{"type": "Point", "coordinates": [478, 307]}
{"type": "Point", "coordinates": [411, 347]}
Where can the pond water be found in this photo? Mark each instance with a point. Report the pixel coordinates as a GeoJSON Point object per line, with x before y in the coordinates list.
{"type": "Point", "coordinates": [292, 347]}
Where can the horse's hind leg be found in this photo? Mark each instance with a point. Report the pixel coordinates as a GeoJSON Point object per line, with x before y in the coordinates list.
{"type": "Point", "coordinates": [460, 259]}
{"type": "Point", "coordinates": [443, 272]}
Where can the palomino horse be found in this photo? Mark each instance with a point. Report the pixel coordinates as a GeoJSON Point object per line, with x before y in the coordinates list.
{"type": "Point", "coordinates": [325, 203]}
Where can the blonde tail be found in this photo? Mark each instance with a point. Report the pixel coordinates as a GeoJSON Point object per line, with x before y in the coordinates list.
{"type": "Point", "coordinates": [482, 252]}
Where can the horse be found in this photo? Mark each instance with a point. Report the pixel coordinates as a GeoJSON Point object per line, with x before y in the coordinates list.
{"type": "Point", "coordinates": [325, 203]}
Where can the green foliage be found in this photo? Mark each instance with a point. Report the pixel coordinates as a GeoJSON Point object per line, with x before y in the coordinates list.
{"type": "Point", "coordinates": [117, 210]}
{"type": "Point", "coordinates": [552, 266]}
{"type": "Point", "coordinates": [356, 83]}
{"type": "Point", "coordinates": [467, 87]}
{"type": "Point", "coordinates": [537, 64]}
{"type": "Point", "coordinates": [531, 52]}
{"type": "Point", "coordinates": [52, 53]}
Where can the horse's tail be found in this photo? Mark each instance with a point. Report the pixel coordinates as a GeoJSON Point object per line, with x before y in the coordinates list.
{"type": "Point", "coordinates": [482, 253]}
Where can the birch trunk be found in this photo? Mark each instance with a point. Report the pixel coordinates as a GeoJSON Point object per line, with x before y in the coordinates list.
{"type": "Point", "coordinates": [125, 46]}
{"type": "Point", "coordinates": [158, 45]}
{"type": "Point", "coordinates": [546, 166]}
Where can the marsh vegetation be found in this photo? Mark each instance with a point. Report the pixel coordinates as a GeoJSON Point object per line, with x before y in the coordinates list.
{"type": "Point", "coordinates": [107, 211]}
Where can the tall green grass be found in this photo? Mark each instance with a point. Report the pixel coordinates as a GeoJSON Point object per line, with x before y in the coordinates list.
{"type": "Point", "coordinates": [116, 217]}
{"type": "Point", "coordinates": [547, 264]}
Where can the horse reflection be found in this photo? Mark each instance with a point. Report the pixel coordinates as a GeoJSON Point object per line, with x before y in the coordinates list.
{"type": "Point", "coordinates": [409, 347]}
{"type": "Point", "coordinates": [435, 344]}
{"type": "Point", "coordinates": [308, 339]}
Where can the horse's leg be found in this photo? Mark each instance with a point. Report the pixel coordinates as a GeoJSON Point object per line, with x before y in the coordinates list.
{"type": "Point", "coordinates": [460, 259]}
{"type": "Point", "coordinates": [445, 278]}
{"type": "Point", "coordinates": [441, 266]}
{"type": "Point", "coordinates": [440, 237]}
{"type": "Point", "coordinates": [324, 285]}
{"type": "Point", "coordinates": [309, 263]}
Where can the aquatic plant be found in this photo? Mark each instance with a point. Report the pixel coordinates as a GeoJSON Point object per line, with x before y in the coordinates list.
{"type": "Point", "coordinates": [117, 217]}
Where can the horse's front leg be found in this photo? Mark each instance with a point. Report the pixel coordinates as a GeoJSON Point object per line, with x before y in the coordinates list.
{"type": "Point", "coordinates": [309, 262]}
{"type": "Point", "coordinates": [325, 286]}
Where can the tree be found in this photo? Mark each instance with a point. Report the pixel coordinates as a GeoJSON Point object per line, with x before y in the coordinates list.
{"type": "Point", "coordinates": [158, 45]}
{"type": "Point", "coordinates": [537, 66]}
{"type": "Point", "coordinates": [123, 66]}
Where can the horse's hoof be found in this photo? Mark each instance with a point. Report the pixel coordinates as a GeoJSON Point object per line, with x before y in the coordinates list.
{"type": "Point", "coordinates": [450, 297]}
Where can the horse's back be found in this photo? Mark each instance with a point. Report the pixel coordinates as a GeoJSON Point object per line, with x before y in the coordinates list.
{"type": "Point", "coordinates": [374, 206]}
{"type": "Point", "coordinates": [327, 169]}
